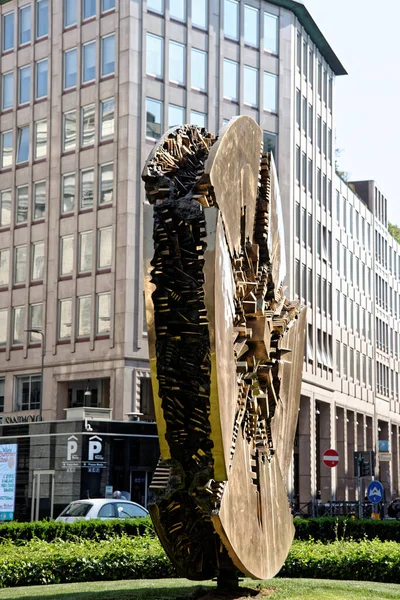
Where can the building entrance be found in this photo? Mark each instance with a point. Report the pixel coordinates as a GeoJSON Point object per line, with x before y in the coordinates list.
{"type": "Point", "coordinates": [42, 494]}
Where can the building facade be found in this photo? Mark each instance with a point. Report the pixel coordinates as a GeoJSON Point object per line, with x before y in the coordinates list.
{"type": "Point", "coordinates": [87, 87]}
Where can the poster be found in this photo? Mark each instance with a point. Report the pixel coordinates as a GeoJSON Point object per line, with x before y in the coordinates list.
{"type": "Point", "coordinates": [8, 468]}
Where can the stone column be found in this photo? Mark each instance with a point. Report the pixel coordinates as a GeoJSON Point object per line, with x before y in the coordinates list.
{"type": "Point", "coordinates": [341, 448]}
{"type": "Point", "coordinates": [305, 449]}
{"type": "Point", "coordinates": [324, 444]}
{"type": "Point", "coordinates": [351, 476]}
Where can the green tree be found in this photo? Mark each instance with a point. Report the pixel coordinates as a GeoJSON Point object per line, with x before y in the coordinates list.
{"type": "Point", "coordinates": [394, 231]}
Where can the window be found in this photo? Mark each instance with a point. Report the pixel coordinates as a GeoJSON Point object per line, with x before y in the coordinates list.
{"type": "Point", "coordinates": [251, 26]}
{"type": "Point", "coordinates": [70, 13]}
{"type": "Point", "coordinates": [27, 392]}
{"type": "Point", "coordinates": [6, 149]}
{"type": "Point", "coordinates": [87, 189]}
{"type": "Point", "coordinates": [8, 31]}
{"type": "Point", "coordinates": [298, 108]}
{"type": "Point", "coordinates": [70, 62]}
{"type": "Point", "coordinates": [199, 70]}
{"type": "Point", "coordinates": [305, 115]}
{"type": "Point", "coordinates": [68, 193]}
{"type": "Point", "coordinates": [18, 325]}
{"type": "Point", "coordinates": [20, 265]}
{"type": "Point", "coordinates": [270, 143]}
{"type": "Point", "coordinates": [21, 209]}
{"type": "Point", "coordinates": [270, 92]}
{"type": "Point", "coordinates": [2, 382]}
{"type": "Point", "coordinates": [106, 184]}
{"type": "Point", "coordinates": [89, 9]}
{"type": "Point", "coordinates": [40, 139]}
{"type": "Point", "coordinates": [89, 62]}
{"type": "Point", "coordinates": [107, 55]}
{"type": "Point", "coordinates": [39, 200]}
{"type": "Point", "coordinates": [231, 73]}
{"type": "Point", "coordinates": [199, 13]}
{"type": "Point", "coordinates": [177, 9]}
{"type": "Point", "coordinates": [311, 67]}
{"type": "Point", "coordinates": [7, 97]}
{"type": "Point", "coordinates": [69, 131]}
{"type": "Point", "coordinates": [250, 86]}
{"type": "Point", "coordinates": [310, 122]}
{"type": "Point", "coordinates": [105, 248]}
{"type": "Point", "coordinates": [154, 55]}
{"type": "Point", "coordinates": [103, 313]}
{"type": "Point", "coordinates": [107, 119]}
{"type": "Point", "coordinates": [305, 56]}
{"type": "Point", "coordinates": [4, 268]}
{"type": "Point", "coordinates": [85, 252]}
{"type": "Point", "coordinates": [177, 58]}
{"type": "Point", "coordinates": [3, 326]}
{"type": "Point", "coordinates": [198, 118]}
{"type": "Point", "coordinates": [270, 33]}
{"type": "Point", "coordinates": [64, 319]}
{"type": "Point", "coordinates": [84, 315]}
{"type": "Point", "coordinates": [231, 19]}
{"type": "Point", "coordinates": [88, 129]}
{"type": "Point", "coordinates": [35, 322]}
{"type": "Point", "coordinates": [153, 119]}
{"type": "Point", "coordinates": [67, 255]}
{"type": "Point", "coordinates": [24, 22]}
{"type": "Point", "coordinates": [176, 115]}
{"type": "Point", "coordinates": [5, 208]}
{"type": "Point", "coordinates": [41, 79]}
{"type": "Point", "coordinates": [156, 5]}
{"type": "Point", "coordinates": [107, 5]}
{"type": "Point", "coordinates": [37, 261]}
{"type": "Point", "coordinates": [42, 18]}
{"type": "Point", "coordinates": [24, 83]}
{"type": "Point", "coordinates": [23, 144]}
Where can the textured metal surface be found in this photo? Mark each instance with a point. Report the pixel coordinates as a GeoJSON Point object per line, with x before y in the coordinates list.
{"type": "Point", "coordinates": [226, 350]}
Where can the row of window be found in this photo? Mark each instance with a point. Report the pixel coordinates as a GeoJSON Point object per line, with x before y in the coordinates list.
{"type": "Point", "coordinates": [88, 10]}
{"type": "Point", "coordinates": [352, 222]}
{"type": "Point", "coordinates": [350, 267]}
{"type": "Point", "coordinates": [88, 125]}
{"type": "Point", "coordinates": [351, 316]}
{"type": "Point", "coordinates": [24, 84]}
{"type": "Point", "coordinates": [353, 366]}
{"type": "Point", "coordinates": [387, 340]}
{"type": "Point", "coordinates": [88, 62]}
{"type": "Point", "coordinates": [24, 143]}
{"type": "Point", "coordinates": [305, 64]}
{"type": "Point", "coordinates": [387, 381]}
{"type": "Point", "coordinates": [39, 12]}
{"type": "Point", "coordinates": [324, 348]}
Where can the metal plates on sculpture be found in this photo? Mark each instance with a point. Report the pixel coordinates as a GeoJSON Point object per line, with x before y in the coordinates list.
{"type": "Point", "coordinates": [226, 351]}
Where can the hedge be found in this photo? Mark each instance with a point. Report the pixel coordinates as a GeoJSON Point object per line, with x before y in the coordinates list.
{"type": "Point", "coordinates": [329, 529]}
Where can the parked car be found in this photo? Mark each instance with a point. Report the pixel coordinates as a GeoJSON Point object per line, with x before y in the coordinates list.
{"type": "Point", "coordinates": [394, 509]}
{"type": "Point", "coordinates": [101, 508]}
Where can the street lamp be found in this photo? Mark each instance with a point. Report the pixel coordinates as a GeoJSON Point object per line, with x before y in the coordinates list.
{"type": "Point", "coordinates": [40, 332]}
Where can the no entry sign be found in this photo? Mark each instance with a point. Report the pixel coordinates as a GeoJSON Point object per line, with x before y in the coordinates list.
{"type": "Point", "coordinates": [330, 458]}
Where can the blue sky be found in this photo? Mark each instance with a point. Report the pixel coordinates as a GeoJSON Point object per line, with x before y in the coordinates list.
{"type": "Point", "coordinates": [365, 36]}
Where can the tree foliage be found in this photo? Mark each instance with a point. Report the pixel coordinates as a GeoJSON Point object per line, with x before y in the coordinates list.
{"type": "Point", "coordinates": [394, 231]}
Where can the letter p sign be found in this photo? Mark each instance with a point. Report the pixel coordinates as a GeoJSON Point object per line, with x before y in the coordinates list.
{"type": "Point", "coordinates": [72, 447]}
{"type": "Point", "coordinates": [95, 447]}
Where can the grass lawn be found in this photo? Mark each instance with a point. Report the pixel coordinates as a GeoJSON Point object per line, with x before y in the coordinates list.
{"type": "Point", "coordinates": [181, 589]}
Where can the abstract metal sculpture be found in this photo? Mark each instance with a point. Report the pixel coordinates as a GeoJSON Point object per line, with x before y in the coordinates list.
{"type": "Point", "coordinates": [226, 350]}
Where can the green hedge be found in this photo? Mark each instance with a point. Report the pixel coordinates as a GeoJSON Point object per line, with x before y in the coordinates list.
{"type": "Point", "coordinates": [92, 529]}
{"type": "Point", "coordinates": [329, 529]}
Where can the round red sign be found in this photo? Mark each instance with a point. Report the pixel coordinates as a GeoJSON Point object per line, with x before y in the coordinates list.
{"type": "Point", "coordinates": [330, 458]}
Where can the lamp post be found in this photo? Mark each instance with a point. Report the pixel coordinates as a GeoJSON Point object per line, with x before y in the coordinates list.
{"type": "Point", "coordinates": [40, 332]}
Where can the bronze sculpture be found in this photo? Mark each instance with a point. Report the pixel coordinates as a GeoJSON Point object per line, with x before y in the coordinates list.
{"type": "Point", "coordinates": [226, 350]}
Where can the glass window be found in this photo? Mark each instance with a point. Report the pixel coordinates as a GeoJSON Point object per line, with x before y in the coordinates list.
{"type": "Point", "coordinates": [177, 58]}
{"type": "Point", "coordinates": [270, 92]}
{"type": "Point", "coordinates": [24, 83]}
{"type": "Point", "coordinates": [198, 118]}
{"type": "Point", "coordinates": [154, 55]}
{"type": "Point", "coordinates": [41, 79]}
{"type": "Point", "coordinates": [39, 200]}
{"type": "Point", "coordinates": [107, 5]}
{"type": "Point", "coordinates": [250, 86]}
{"type": "Point", "coordinates": [106, 184]}
{"type": "Point", "coordinates": [270, 33]}
{"type": "Point", "coordinates": [103, 313]}
{"type": "Point", "coordinates": [7, 97]}
{"type": "Point", "coordinates": [270, 143]}
{"type": "Point", "coordinates": [65, 319]}
{"type": "Point", "coordinates": [42, 18]}
{"type": "Point", "coordinates": [125, 510]}
{"type": "Point", "coordinates": [199, 70]}
{"type": "Point", "coordinates": [24, 25]}
{"type": "Point", "coordinates": [20, 265]}
{"type": "Point", "coordinates": [87, 189]}
{"type": "Point", "coordinates": [21, 209]}
{"type": "Point", "coordinates": [4, 267]}
{"type": "Point", "coordinates": [69, 133]}
{"type": "Point", "coordinates": [85, 252]}
{"type": "Point", "coordinates": [2, 382]}
{"type": "Point", "coordinates": [156, 5]}
{"type": "Point", "coordinates": [176, 115]}
{"type": "Point", "coordinates": [84, 315]}
{"type": "Point", "coordinates": [199, 13]}
{"type": "Point", "coordinates": [231, 74]}
{"type": "Point", "coordinates": [107, 119]}
{"type": "Point", "coordinates": [105, 248]}
{"type": "Point", "coordinates": [88, 129]}
{"type": "Point", "coordinates": [6, 148]}
{"type": "Point", "coordinates": [70, 13]}
{"type": "Point", "coordinates": [5, 208]}
{"type": "Point", "coordinates": [35, 322]}
{"type": "Point", "coordinates": [18, 325]}
{"type": "Point", "coordinates": [153, 119]}
{"type": "Point", "coordinates": [107, 55]}
{"type": "Point", "coordinates": [89, 8]}
{"type": "Point", "coordinates": [251, 25]}
{"type": "Point", "coordinates": [40, 139]}
{"type": "Point", "coordinates": [68, 193]}
{"type": "Point", "coordinates": [8, 31]}
{"type": "Point", "coordinates": [70, 62]}
{"type": "Point", "coordinates": [37, 261]}
{"type": "Point", "coordinates": [67, 255]}
{"type": "Point", "coordinates": [3, 326]}
{"type": "Point", "coordinates": [27, 392]}
{"type": "Point", "coordinates": [89, 62]}
{"type": "Point", "coordinates": [177, 9]}
{"type": "Point", "coordinates": [231, 19]}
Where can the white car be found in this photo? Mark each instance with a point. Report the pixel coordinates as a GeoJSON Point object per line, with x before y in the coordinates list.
{"type": "Point", "coordinates": [101, 508]}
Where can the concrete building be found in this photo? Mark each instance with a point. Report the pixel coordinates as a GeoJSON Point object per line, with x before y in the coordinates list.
{"type": "Point", "coordinates": [87, 86]}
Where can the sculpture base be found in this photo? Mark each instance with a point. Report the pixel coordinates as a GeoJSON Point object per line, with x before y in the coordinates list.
{"type": "Point", "coordinates": [238, 594]}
